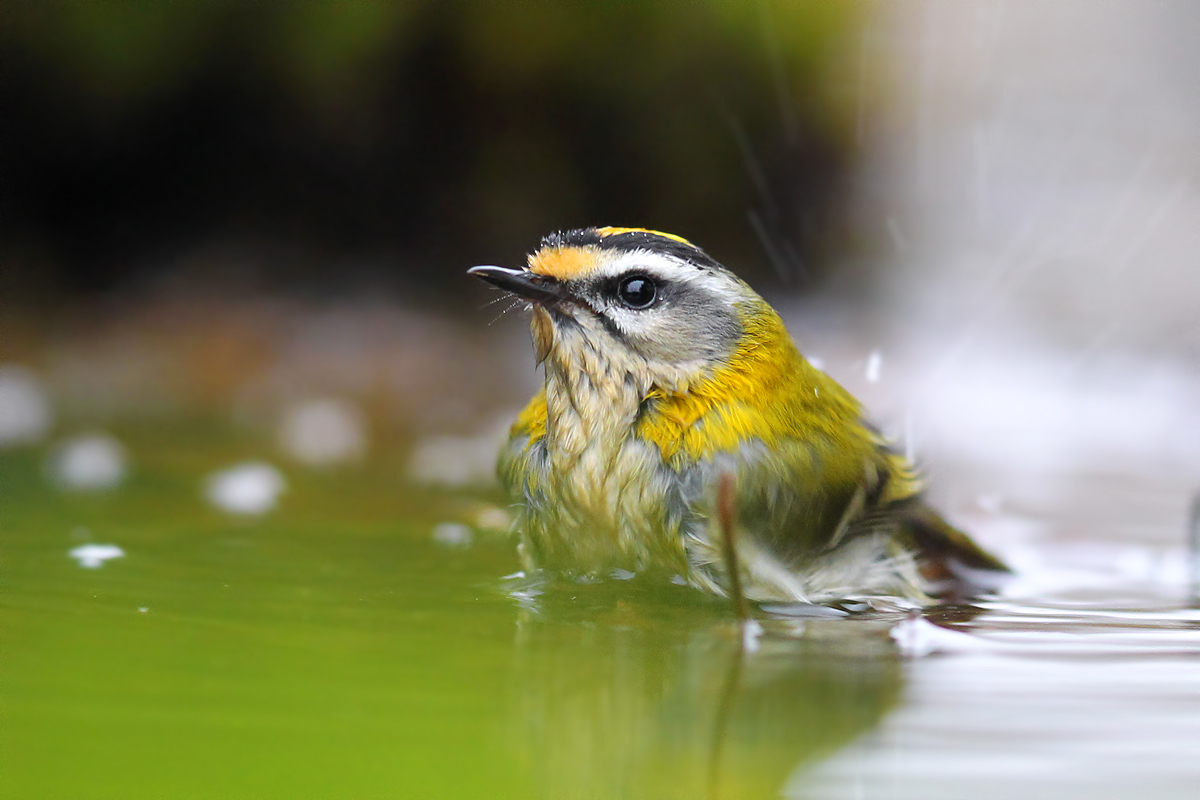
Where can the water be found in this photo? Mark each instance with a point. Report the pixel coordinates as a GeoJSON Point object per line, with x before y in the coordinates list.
{"type": "Point", "coordinates": [1060, 701]}
{"type": "Point", "coordinates": [335, 647]}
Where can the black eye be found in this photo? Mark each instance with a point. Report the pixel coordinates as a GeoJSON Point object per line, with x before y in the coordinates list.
{"type": "Point", "coordinates": [636, 291]}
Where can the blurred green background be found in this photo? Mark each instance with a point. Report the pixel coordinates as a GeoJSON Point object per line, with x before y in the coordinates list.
{"type": "Point", "coordinates": [398, 141]}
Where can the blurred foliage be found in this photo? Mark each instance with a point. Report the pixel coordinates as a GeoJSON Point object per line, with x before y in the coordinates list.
{"type": "Point", "coordinates": [407, 139]}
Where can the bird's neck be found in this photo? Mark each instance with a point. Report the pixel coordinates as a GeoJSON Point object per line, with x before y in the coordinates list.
{"type": "Point", "coordinates": [591, 405]}
{"type": "Point", "coordinates": [594, 395]}
{"type": "Point", "coordinates": [765, 391]}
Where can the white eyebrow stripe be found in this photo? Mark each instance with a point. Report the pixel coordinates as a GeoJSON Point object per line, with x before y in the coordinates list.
{"type": "Point", "coordinates": [627, 261]}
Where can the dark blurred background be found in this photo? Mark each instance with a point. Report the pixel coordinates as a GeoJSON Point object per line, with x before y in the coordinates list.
{"type": "Point", "coordinates": [329, 145]}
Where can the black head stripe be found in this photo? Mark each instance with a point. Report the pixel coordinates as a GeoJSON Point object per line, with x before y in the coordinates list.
{"type": "Point", "coordinates": [580, 237]}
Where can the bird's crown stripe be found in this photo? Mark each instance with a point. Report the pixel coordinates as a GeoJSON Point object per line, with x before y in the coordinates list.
{"type": "Point", "coordinates": [609, 231]}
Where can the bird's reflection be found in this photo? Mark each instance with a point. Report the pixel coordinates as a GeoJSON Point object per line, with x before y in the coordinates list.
{"type": "Point", "coordinates": [629, 691]}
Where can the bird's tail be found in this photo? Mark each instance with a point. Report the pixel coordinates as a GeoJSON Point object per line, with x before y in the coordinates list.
{"type": "Point", "coordinates": [955, 566]}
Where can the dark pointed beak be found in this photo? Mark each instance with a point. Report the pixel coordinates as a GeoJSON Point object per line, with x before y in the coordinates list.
{"type": "Point", "coordinates": [521, 282]}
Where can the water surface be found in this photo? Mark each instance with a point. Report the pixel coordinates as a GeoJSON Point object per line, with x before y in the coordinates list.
{"type": "Point", "coordinates": [334, 648]}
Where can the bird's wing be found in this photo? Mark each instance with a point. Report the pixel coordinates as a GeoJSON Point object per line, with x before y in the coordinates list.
{"type": "Point", "coordinates": [516, 468]}
{"type": "Point", "coordinates": [840, 491]}
{"type": "Point", "coordinates": [802, 497]}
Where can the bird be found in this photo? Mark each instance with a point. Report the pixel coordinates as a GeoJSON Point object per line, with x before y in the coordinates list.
{"type": "Point", "coordinates": [665, 377]}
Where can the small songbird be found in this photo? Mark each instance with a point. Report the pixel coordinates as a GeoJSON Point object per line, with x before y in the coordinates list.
{"type": "Point", "coordinates": [666, 375]}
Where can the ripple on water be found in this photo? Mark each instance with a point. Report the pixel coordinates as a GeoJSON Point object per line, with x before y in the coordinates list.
{"type": "Point", "coordinates": [1068, 695]}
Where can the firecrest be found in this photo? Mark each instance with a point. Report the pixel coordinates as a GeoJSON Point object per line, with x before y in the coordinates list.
{"type": "Point", "coordinates": [665, 375]}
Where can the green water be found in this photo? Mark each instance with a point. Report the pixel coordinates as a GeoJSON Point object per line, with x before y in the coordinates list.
{"type": "Point", "coordinates": [332, 649]}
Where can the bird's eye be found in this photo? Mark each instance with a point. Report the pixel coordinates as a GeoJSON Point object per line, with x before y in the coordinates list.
{"type": "Point", "coordinates": [637, 291]}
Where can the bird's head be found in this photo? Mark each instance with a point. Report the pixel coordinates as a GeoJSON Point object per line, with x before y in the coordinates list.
{"type": "Point", "coordinates": [630, 301]}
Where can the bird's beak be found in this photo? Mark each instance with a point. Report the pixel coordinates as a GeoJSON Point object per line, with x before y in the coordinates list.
{"type": "Point", "coordinates": [521, 282]}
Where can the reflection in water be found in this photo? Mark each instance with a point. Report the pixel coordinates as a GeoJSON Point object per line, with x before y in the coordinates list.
{"type": "Point", "coordinates": [649, 693]}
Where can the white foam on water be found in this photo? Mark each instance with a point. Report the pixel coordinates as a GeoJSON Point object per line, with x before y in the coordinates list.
{"type": "Point", "coordinates": [93, 556]}
{"type": "Point", "coordinates": [92, 462]}
{"type": "Point", "coordinates": [249, 488]}
{"type": "Point", "coordinates": [323, 431]}
{"type": "Point", "coordinates": [453, 534]}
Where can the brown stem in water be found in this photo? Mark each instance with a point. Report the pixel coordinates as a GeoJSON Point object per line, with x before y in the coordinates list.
{"type": "Point", "coordinates": [725, 518]}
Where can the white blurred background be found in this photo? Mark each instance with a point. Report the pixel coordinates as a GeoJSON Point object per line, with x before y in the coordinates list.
{"type": "Point", "coordinates": [1036, 170]}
